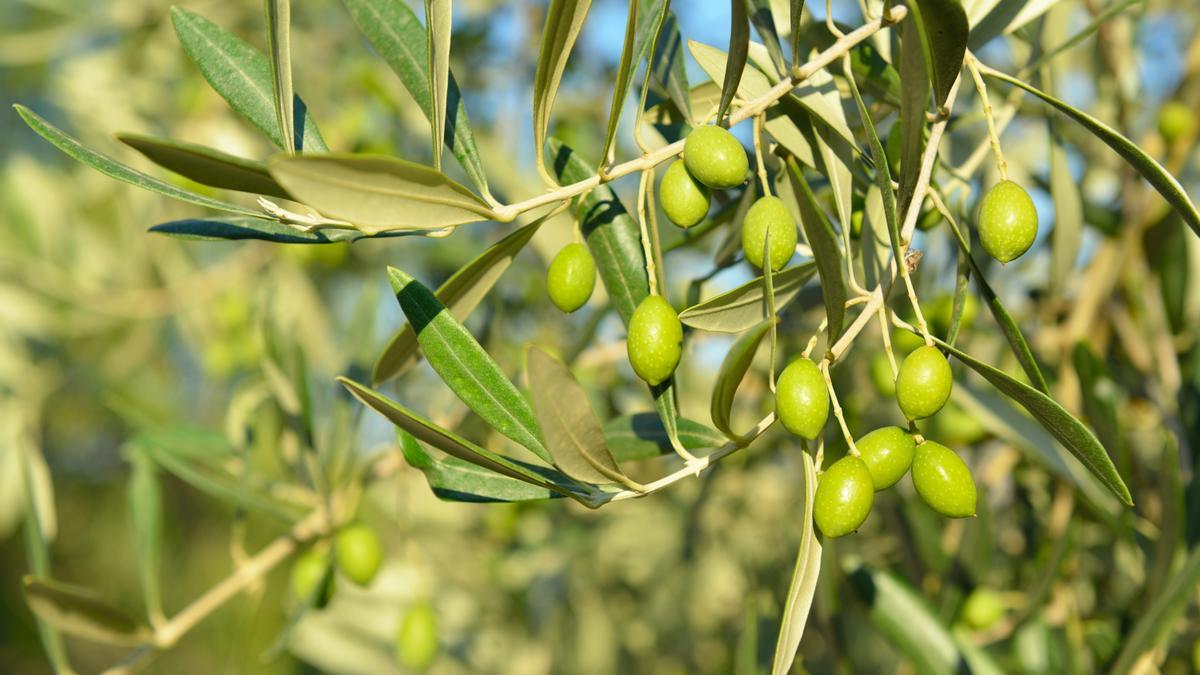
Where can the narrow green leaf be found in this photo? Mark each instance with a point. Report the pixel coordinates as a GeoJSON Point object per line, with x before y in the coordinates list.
{"type": "Point", "coordinates": [764, 23]}
{"type": "Point", "coordinates": [279, 40]}
{"type": "Point", "coordinates": [564, 20]}
{"type": "Point", "coordinates": [795, 32]}
{"type": "Point", "coordinates": [668, 73]}
{"type": "Point", "coordinates": [573, 435]}
{"type": "Point", "coordinates": [114, 169]}
{"type": "Point", "coordinates": [804, 580]}
{"type": "Point", "coordinates": [377, 193]}
{"type": "Point", "coordinates": [741, 308]}
{"type": "Point", "coordinates": [735, 63]}
{"type": "Point", "coordinates": [207, 166]}
{"type": "Point", "coordinates": [461, 294]}
{"type": "Point", "coordinates": [37, 551]}
{"type": "Point", "coordinates": [642, 28]}
{"type": "Point", "coordinates": [642, 436]}
{"type": "Point", "coordinates": [826, 253]}
{"type": "Point", "coordinates": [241, 227]}
{"type": "Point", "coordinates": [914, 103]}
{"type": "Point", "coordinates": [944, 29]}
{"type": "Point", "coordinates": [1166, 184]}
{"type": "Point", "coordinates": [1069, 431]}
{"type": "Point", "coordinates": [836, 159]}
{"type": "Point", "coordinates": [242, 76]}
{"type": "Point", "coordinates": [81, 612]}
{"type": "Point", "coordinates": [144, 501]}
{"type": "Point", "coordinates": [733, 370]}
{"type": "Point", "coordinates": [464, 365]}
{"type": "Point", "coordinates": [1068, 214]}
{"type": "Point", "coordinates": [874, 73]}
{"type": "Point", "coordinates": [395, 32]}
{"type": "Point", "coordinates": [438, 29]}
{"type": "Point", "coordinates": [1152, 626]}
{"type": "Point", "coordinates": [455, 480]}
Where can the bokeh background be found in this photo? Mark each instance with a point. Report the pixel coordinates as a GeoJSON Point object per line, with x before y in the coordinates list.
{"type": "Point", "coordinates": [106, 330]}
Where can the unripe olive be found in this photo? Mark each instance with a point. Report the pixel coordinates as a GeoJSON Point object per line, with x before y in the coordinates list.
{"type": "Point", "coordinates": [1175, 120]}
{"type": "Point", "coordinates": [881, 375]}
{"type": "Point", "coordinates": [358, 553]}
{"type": "Point", "coordinates": [655, 340]}
{"type": "Point", "coordinates": [856, 220]}
{"type": "Point", "coordinates": [888, 452]}
{"type": "Point", "coordinates": [904, 342]}
{"type": "Point", "coordinates": [684, 199]}
{"type": "Point", "coordinates": [982, 609]}
{"type": "Point", "coordinates": [924, 382]}
{"type": "Point", "coordinates": [769, 222]}
{"type": "Point", "coordinates": [715, 157]}
{"type": "Point", "coordinates": [312, 579]}
{"type": "Point", "coordinates": [941, 311]}
{"type": "Point", "coordinates": [1008, 221]}
{"type": "Point", "coordinates": [928, 219]}
{"type": "Point", "coordinates": [571, 277]}
{"type": "Point", "coordinates": [943, 480]}
{"type": "Point", "coordinates": [844, 497]}
{"type": "Point", "coordinates": [801, 399]}
{"type": "Point", "coordinates": [955, 426]}
{"type": "Point", "coordinates": [417, 638]}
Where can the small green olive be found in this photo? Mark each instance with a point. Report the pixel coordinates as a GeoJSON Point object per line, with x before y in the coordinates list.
{"type": "Point", "coordinates": [801, 399]}
{"type": "Point", "coordinates": [929, 218]}
{"type": "Point", "coordinates": [954, 425]}
{"type": "Point", "coordinates": [904, 342]}
{"type": "Point", "coordinates": [358, 553]}
{"type": "Point", "coordinates": [888, 452]}
{"type": "Point", "coordinates": [571, 277]}
{"type": "Point", "coordinates": [715, 157]}
{"type": "Point", "coordinates": [924, 382]}
{"type": "Point", "coordinates": [769, 222]}
{"type": "Point", "coordinates": [844, 497]}
{"type": "Point", "coordinates": [312, 579]}
{"type": "Point", "coordinates": [943, 480]}
{"type": "Point", "coordinates": [1175, 120]}
{"type": "Point", "coordinates": [417, 638]}
{"type": "Point", "coordinates": [881, 375]}
{"type": "Point", "coordinates": [1008, 221]}
{"type": "Point", "coordinates": [982, 608]}
{"type": "Point", "coordinates": [655, 340]}
{"type": "Point", "coordinates": [684, 199]}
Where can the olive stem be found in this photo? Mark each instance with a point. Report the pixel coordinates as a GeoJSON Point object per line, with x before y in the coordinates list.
{"type": "Point", "coordinates": [887, 341]}
{"type": "Point", "coordinates": [769, 306]}
{"type": "Point", "coordinates": [647, 249]}
{"type": "Point", "coordinates": [812, 342]}
{"type": "Point", "coordinates": [993, 135]}
{"type": "Point", "coordinates": [837, 408]}
{"type": "Point", "coordinates": [758, 157]}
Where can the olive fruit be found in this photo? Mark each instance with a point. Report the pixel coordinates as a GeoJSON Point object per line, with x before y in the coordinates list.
{"type": "Point", "coordinates": [571, 277]}
{"type": "Point", "coordinates": [801, 399]}
{"type": "Point", "coordinates": [982, 608]}
{"type": "Point", "coordinates": [714, 157]}
{"type": "Point", "coordinates": [655, 340]}
{"type": "Point", "coordinates": [941, 311]}
{"type": "Point", "coordinates": [1175, 120]}
{"type": "Point", "coordinates": [1008, 221]}
{"type": "Point", "coordinates": [844, 497]}
{"type": "Point", "coordinates": [358, 553]}
{"type": "Point", "coordinates": [312, 579]}
{"type": "Point", "coordinates": [769, 223]}
{"type": "Point", "coordinates": [684, 199]}
{"type": "Point", "coordinates": [881, 375]}
{"type": "Point", "coordinates": [888, 452]}
{"type": "Point", "coordinates": [943, 480]}
{"type": "Point", "coordinates": [417, 638]}
{"type": "Point", "coordinates": [924, 382]}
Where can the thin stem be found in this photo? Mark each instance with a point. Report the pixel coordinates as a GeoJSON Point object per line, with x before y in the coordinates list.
{"type": "Point", "coordinates": [837, 407]}
{"type": "Point", "coordinates": [993, 135]}
{"type": "Point", "coordinates": [647, 249]}
{"type": "Point", "coordinates": [758, 155]}
{"type": "Point", "coordinates": [887, 341]}
{"type": "Point", "coordinates": [812, 341]}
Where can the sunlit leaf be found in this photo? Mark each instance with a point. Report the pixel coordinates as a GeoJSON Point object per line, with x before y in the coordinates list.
{"type": "Point", "coordinates": [668, 73]}
{"type": "Point", "coordinates": [944, 29]}
{"type": "Point", "coordinates": [735, 60]}
{"type": "Point", "coordinates": [741, 308]}
{"type": "Point", "coordinates": [564, 20]}
{"type": "Point", "coordinates": [733, 370]}
{"type": "Point", "coordinates": [826, 252]}
{"type": "Point", "coordinates": [456, 480]}
{"type": "Point", "coordinates": [438, 29]}
{"type": "Point", "coordinates": [279, 40]}
{"type": "Point", "coordinates": [207, 166]}
{"type": "Point", "coordinates": [914, 103]}
{"type": "Point", "coordinates": [642, 26]}
{"type": "Point", "coordinates": [242, 227]}
{"type": "Point", "coordinates": [804, 580]}
{"type": "Point", "coordinates": [642, 436]}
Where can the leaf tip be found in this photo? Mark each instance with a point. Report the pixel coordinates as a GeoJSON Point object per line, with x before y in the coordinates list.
{"type": "Point", "coordinates": [399, 278]}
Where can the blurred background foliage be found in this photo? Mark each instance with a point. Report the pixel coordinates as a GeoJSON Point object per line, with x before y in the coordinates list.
{"type": "Point", "coordinates": [106, 330]}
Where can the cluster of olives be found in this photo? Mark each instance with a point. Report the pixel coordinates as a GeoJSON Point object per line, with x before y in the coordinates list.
{"type": "Point", "coordinates": [358, 554]}
{"type": "Point", "coordinates": [846, 490]}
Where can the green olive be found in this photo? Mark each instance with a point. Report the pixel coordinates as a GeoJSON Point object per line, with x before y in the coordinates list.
{"type": "Point", "coordinates": [312, 579]}
{"type": "Point", "coordinates": [715, 157]}
{"type": "Point", "coordinates": [417, 638]}
{"type": "Point", "coordinates": [1008, 221]}
{"type": "Point", "coordinates": [929, 218]}
{"type": "Point", "coordinates": [982, 608]}
{"type": "Point", "coordinates": [954, 425]}
{"type": "Point", "coordinates": [881, 375]}
{"type": "Point", "coordinates": [844, 497]}
{"type": "Point", "coordinates": [769, 222]}
{"type": "Point", "coordinates": [888, 452]}
{"type": "Point", "coordinates": [943, 480]}
{"type": "Point", "coordinates": [941, 311]}
{"type": "Point", "coordinates": [1175, 120]}
{"type": "Point", "coordinates": [801, 399]}
{"type": "Point", "coordinates": [904, 342]}
{"type": "Point", "coordinates": [684, 199]}
{"type": "Point", "coordinates": [655, 340]}
{"type": "Point", "coordinates": [924, 382]}
{"type": "Point", "coordinates": [358, 553]}
{"type": "Point", "coordinates": [571, 277]}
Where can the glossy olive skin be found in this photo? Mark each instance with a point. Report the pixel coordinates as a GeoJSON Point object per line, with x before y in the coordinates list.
{"type": "Point", "coordinates": [358, 553]}
{"type": "Point", "coordinates": [417, 638]}
{"type": "Point", "coordinates": [655, 340]}
{"type": "Point", "coordinates": [1175, 120]}
{"type": "Point", "coordinates": [312, 579]}
{"type": "Point", "coordinates": [684, 199]}
{"type": "Point", "coordinates": [715, 157]}
{"type": "Point", "coordinates": [888, 452]}
{"type": "Point", "coordinates": [801, 399]}
{"type": "Point", "coordinates": [924, 382]}
{"type": "Point", "coordinates": [1008, 221]}
{"type": "Point", "coordinates": [768, 222]}
{"type": "Point", "coordinates": [571, 277]}
{"type": "Point", "coordinates": [943, 480]}
{"type": "Point", "coordinates": [982, 608]}
{"type": "Point", "coordinates": [844, 497]}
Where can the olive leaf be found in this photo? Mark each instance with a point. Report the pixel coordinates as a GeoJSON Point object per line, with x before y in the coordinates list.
{"type": "Point", "coordinates": [207, 166]}
{"type": "Point", "coordinates": [944, 28]}
{"type": "Point", "coordinates": [733, 370]}
{"type": "Point", "coordinates": [642, 436]}
{"type": "Point", "coordinates": [438, 28]}
{"type": "Point", "coordinates": [377, 193]}
{"type": "Point", "coordinates": [795, 15]}
{"type": "Point", "coordinates": [242, 76]}
{"type": "Point", "coordinates": [667, 73]}
{"type": "Point", "coordinates": [804, 579]}
{"type": "Point", "coordinates": [114, 169]}
{"type": "Point", "coordinates": [36, 523]}
{"type": "Point", "coordinates": [764, 25]}
{"type": "Point", "coordinates": [914, 103]}
{"type": "Point", "coordinates": [826, 253]}
{"type": "Point", "coordinates": [279, 40]}
{"type": "Point", "coordinates": [564, 21]}
{"type": "Point", "coordinates": [461, 294]}
{"type": "Point", "coordinates": [144, 504]}
{"type": "Point", "coordinates": [735, 60]}
{"type": "Point", "coordinates": [456, 480]}
{"type": "Point", "coordinates": [741, 308]}
{"type": "Point", "coordinates": [643, 27]}
{"type": "Point", "coordinates": [81, 612]}
{"type": "Point", "coordinates": [464, 365]}
{"type": "Point", "coordinates": [242, 227]}
{"type": "Point", "coordinates": [396, 33]}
